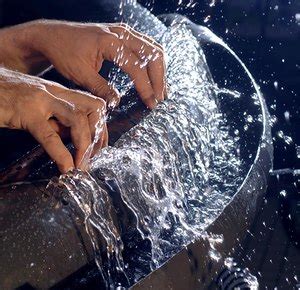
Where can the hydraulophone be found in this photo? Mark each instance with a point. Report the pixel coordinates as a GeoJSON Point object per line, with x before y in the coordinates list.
{"type": "Point", "coordinates": [44, 244]}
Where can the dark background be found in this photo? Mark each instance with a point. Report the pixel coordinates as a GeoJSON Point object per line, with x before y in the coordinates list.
{"type": "Point", "coordinates": [266, 35]}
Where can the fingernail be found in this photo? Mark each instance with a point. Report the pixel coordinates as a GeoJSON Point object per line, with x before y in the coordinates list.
{"type": "Point", "coordinates": [163, 95]}
{"type": "Point", "coordinates": [155, 101]}
{"type": "Point", "coordinates": [70, 169]}
{"type": "Point", "coordinates": [151, 103]}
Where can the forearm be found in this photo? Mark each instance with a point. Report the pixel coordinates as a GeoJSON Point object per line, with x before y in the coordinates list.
{"type": "Point", "coordinates": [17, 49]}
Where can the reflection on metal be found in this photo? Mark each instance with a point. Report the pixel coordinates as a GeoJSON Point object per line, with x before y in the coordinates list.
{"type": "Point", "coordinates": [233, 277]}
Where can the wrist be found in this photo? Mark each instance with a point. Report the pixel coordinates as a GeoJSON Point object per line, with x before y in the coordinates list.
{"type": "Point", "coordinates": [34, 36]}
{"type": "Point", "coordinates": [41, 35]}
{"type": "Point", "coordinates": [19, 48]}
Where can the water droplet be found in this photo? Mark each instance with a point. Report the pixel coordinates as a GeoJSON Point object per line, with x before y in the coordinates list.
{"type": "Point", "coordinates": [287, 115]}
{"type": "Point", "coordinates": [298, 151]}
{"type": "Point", "coordinates": [206, 19]}
{"type": "Point", "coordinates": [249, 119]}
{"type": "Point", "coordinates": [283, 193]}
{"type": "Point", "coordinates": [212, 3]}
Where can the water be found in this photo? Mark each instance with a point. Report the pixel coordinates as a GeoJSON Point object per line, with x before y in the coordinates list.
{"type": "Point", "coordinates": [170, 176]}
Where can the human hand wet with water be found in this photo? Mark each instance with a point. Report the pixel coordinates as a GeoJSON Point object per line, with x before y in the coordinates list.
{"type": "Point", "coordinates": [77, 51]}
{"type": "Point", "coordinates": [48, 110]}
{"type": "Point", "coordinates": [51, 112]}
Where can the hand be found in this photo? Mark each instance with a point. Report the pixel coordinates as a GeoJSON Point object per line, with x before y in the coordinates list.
{"type": "Point", "coordinates": [50, 111]}
{"type": "Point", "coordinates": [78, 50]}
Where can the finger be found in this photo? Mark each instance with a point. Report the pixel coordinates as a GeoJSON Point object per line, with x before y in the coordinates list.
{"type": "Point", "coordinates": [97, 127]}
{"type": "Point", "coordinates": [93, 107]}
{"type": "Point", "coordinates": [87, 102]}
{"type": "Point", "coordinates": [96, 124]}
{"type": "Point", "coordinates": [99, 86]}
{"type": "Point", "coordinates": [79, 128]}
{"type": "Point", "coordinates": [136, 33]}
{"type": "Point", "coordinates": [52, 143]}
{"type": "Point", "coordinates": [125, 58]}
{"type": "Point", "coordinates": [149, 53]}
{"type": "Point", "coordinates": [103, 142]}
{"type": "Point", "coordinates": [81, 138]}
{"type": "Point", "coordinates": [61, 130]}
{"type": "Point", "coordinates": [105, 138]}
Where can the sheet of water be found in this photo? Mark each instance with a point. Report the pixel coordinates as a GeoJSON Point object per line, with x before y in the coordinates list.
{"type": "Point", "coordinates": [173, 173]}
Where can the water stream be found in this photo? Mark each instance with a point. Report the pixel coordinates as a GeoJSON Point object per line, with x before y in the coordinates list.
{"type": "Point", "coordinates": [168, 178]}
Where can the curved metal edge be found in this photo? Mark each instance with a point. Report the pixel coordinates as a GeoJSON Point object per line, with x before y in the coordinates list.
{"type": "Point", "coordinates": [198, 264]}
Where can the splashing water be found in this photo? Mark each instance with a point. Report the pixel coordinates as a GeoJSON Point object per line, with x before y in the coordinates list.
{"type": "Point", "coordinates": [171, 175]}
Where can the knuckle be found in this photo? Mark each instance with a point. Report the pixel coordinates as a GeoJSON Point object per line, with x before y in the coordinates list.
{"type": "Point", "coordinates": [99, 88]}
{"type": "Point", "coordinates": [49, 136]}
{"type": "Point", "coordinates": [125, 26]}
{"type": "Point", "coordinates": [100, 104]}
{"type": "Point", "coordinates": [38, 94]}
{"type": "Point", "coordinates": [78, 115]}
{"type": "Point", "coordinates": [159, 53]}
{"type": "Point", "coordinates": [111, 38]}
{"type": "Point", "coordinates": [158, 56]}
{"type": "Point", "coordinates": [80, 123]}
{"type": "Point", "coordinates": [155, 52]}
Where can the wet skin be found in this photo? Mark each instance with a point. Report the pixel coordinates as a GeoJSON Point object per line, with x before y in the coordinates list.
{"type": "Point", "coordinates": [50, 111]}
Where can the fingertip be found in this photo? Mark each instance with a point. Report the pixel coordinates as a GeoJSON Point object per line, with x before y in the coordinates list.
{"type": "Point", "coordinates": [161, 96]}
{"type": "Point", "coordinates": [151, 103]}
{"type": "Point", "coordinates": [65, 168]}
{"type": "Point", "coordinates": [113, 100]}
{"type": "Point", "coordinates": [65, 163]}
{"type": "Point", "coordinates": [82, 157]}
